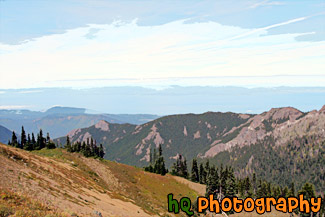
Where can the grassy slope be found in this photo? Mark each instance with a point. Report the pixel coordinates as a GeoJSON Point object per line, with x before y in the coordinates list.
{"type": "Point", "coordinates": [75, 184]}
{"type": "Point", "coordinates": [57, 183]}
{"type": "Point", "coordinates": [19, 205]}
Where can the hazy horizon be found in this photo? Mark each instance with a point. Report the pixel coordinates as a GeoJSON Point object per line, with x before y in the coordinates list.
{"type": "Point", "coordinates": [166, 101]}
{"type": "Point", "coordinates": [162, 57]}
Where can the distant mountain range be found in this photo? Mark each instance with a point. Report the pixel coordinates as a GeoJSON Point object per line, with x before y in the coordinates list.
{"type": "Point", "coordinates": [5, 134]}
{"type": "Point", "coordinates": [277, 144]}
{"type": "Point", "coordinates": [58, 121]}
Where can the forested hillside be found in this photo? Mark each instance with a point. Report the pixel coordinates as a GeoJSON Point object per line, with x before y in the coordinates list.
{"type": "Point", "coordinates": [278, 145]}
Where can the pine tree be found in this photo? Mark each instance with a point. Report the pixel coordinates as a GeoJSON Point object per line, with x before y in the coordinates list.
{"type": "Point", "coordinates": [48, 139]}
{"type": "Point", "coordinates": [33, 141]}
{"type": "Point", "coordinates": [28, 139]}
{"type": "Point", "coordinates": [248, 188]}
{"type": "Point", "coordinates": [14, 141]}
{"type": "Point", "coordinates": [23, 139]}
{"type": "Point", "coordinates": [41, 140]}
{"type": "Point", "coordinates": [158, 165]}
{"type": "Point", "coordinates": [241, 188]}
{"type": "Point", "coordinates": [254, 183]}
{"type": "Point", "coordinates": [184, 169]}
{"type": "Point", "coordinates": [292, 191]}
{"type": "Point", "coordinates": [211, 182]}
{"type": "Point", "coordinates": [68, 145]}
{"type": "Point", "coordinates": [231, 184]}
{"type": "Point", "coordinates": [101, 151]}
{"type": "Point", "coordinates": [223, 179]}
{"type": "Point", "coordinates": [285, 192]}
{"type": "Point", "coordinates": [207, 170]}
{"type": "Point", "coordinates": [28, 146]}
{"type": "Point", "coordinates": [308, 190]}
{"type": "Point", "coordinates": [261, 189]}
{"type": "Point", "coordinates": [202, 174]}
{"type": "Point", "coordinates": [195, 171]}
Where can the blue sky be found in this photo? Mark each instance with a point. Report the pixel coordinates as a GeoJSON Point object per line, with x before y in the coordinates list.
{"type": "Point", "coordinates": [73, 43]}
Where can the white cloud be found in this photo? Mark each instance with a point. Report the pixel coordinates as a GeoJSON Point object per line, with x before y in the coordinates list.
{"type": "Point", "coordinates": [14, 106]}
{"type": "Point", "coordinates": [266, 3]}
{"type": "Point", "coordinates": [126, 53]}
{"type": "Point", "coordinates": [30, 91]}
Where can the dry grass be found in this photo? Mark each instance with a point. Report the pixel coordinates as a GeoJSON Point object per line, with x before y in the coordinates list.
{"type": "Point", "coordinates": [13, 204]}
{"type": "Point", "coordinates": [75, 184]}
{"type": "Point", "coordinates": [68, 183]}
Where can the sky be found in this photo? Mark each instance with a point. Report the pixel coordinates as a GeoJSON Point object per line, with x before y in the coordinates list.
{"type": "Point", "coordinates": [162, 46]}
{"type": "Point", "coordinates": [156, 44]}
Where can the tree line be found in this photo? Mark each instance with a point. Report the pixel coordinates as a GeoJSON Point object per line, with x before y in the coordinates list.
{"type": "Point", "coordinates": [157, 162]}
{"type": "Point", "coordinates": [222, 182]}
{"type": "Point", "coordinates": [88, 149]}
{"type": "Point", "coordinates": [29, 142]}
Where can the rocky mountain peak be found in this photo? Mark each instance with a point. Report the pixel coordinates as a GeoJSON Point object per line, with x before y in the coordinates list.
{"type": "Point", "coordinates": [283, 113]}
{"type": "Point", "coordinates": [102, 125]}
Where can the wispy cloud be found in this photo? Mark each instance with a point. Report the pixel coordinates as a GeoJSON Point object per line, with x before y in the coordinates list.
{"type": "Point", "coordinates": [254, 31]}
{"type": "Point", "coordinates": [30, 91]}
{"type": "Point", "coordinates": [177, 49]}
{"type": "Point", "coordinates": [266, 3]}
{"type": "Point", "coordinates": [15, 106]}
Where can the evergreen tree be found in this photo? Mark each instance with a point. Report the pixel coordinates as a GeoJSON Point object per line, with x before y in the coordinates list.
{"type": "Point", "coordinates": [223, 179]}
{"type": "Point", "coordinates": [33, 141]}
{"type": "Point", "coordinates": [261, 189]}
{"type": "Point", "coordinates": [231, 184]}
{"type": "Point", "coordinates": [254, 183]}
{"type": "Point", "coordinates": [28, 139]}
{"type": "Point", "coordinates": [28, 146]}
{"type": "Point", "coordinates": [184, 169]}
{"type": "Point", "coordinates": [285, 192]}
{"type": "Point", "coordinates": [101, 151]}
{"type": "Point", "coordinates": [68, 145]}
{"type": "Point", "coordinates": [308, 190]}
{"type": "Point", "coordinates": [14, 141]}
{"type": "Point", "coordinates": [41, 140]}
{"type": "Point", "coordinates": [292, 191]}
{"type": "Point", "coordinates": [23, 139]}
{"type": "Point", "coordinates": [216, 179]}
{"type": "Point", "coordinates": [48, 139]}
{"type": "Point", "coordinates": [207, 170]}
{"type": "Point", "coordinates": [202, 174]}
{"type": "Point", "coordinates": [241, 188]}
{"type": "Point", "coordinates": [195, 171]}
{"type": "Point", "coordinates": [248, 187]}
{"type": "Point", "coordinates": [157, 165]}
{"type": "Point", "coordinates": [211, 185]}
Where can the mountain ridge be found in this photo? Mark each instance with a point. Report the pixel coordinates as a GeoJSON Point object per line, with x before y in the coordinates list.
{"type": "Point", "coordinates": [209, 135]}
{"type": "Point", "coordinates": [58, 121]}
